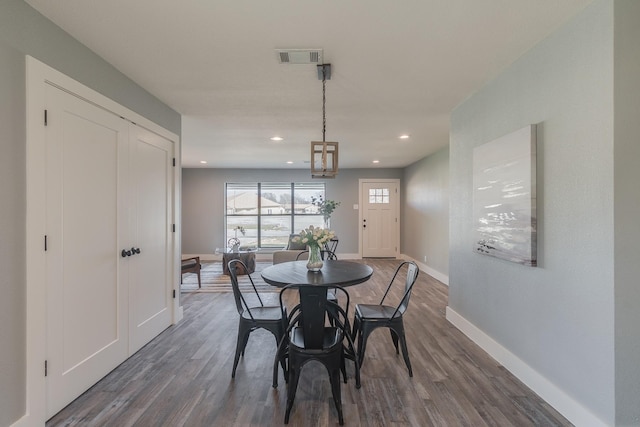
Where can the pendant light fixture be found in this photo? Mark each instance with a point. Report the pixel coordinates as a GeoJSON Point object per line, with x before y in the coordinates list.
{"type": "Point", "coordinates": [324, 155]}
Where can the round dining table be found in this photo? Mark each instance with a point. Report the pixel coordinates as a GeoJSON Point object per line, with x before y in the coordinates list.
{"type": "Point", "coordinates": [333, 272]}
{"type": "Point", "coordinates": [312, 288]}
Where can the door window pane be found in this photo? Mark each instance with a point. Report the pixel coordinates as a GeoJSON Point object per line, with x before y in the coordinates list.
{"type": "Point", "coordinates": [378, 195]}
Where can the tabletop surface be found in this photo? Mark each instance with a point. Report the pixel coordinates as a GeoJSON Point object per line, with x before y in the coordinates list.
{"type": "Point", "coordinates": [342, 273]}
{"type": "Point", "coordinates": [239, 251]}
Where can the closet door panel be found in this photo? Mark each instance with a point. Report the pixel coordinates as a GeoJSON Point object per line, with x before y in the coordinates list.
{"type": "Point", "coordinates": [86, 281]}
{"type": "Point", "coordinates": [150, 288]}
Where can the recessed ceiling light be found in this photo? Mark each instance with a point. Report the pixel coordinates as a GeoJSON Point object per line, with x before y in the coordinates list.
{"type": "Point", "coordinates": [204, 162]}
{"type": "Point", "coordinates": [276, 138]}
{"type": "Point", "coordinates": [405, 136]}
{"type": "Point", "coordinates": [289, 162]}
{"type": "Point", "coordinates": [376, 161]}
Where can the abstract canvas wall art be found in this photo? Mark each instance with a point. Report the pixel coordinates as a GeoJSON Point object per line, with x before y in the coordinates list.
{"type": "Point", "coordinates": [504, 197]}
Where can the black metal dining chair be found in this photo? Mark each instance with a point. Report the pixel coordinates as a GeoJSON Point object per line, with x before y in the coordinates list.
{"type": "Point", "coordinates": [308, 338]}
{"type": "Point", "coordinates": [252, 317]}
{"type": "Point", "coordinates": [369, 317]}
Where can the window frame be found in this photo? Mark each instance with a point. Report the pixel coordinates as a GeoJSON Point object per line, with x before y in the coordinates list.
{"type": "Point", "coordinates": [304, 212]}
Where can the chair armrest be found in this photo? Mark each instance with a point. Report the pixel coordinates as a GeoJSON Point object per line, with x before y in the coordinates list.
{"type": "Point", "coordinates": [285, 256]}
{"type": "Point", "coordinates": [191, 263]}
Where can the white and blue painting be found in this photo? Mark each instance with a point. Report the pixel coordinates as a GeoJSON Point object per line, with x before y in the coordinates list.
{"type": "Point", "coordinates": [504, 197]}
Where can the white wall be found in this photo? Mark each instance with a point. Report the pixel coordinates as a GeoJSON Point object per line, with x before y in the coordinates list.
{"type": "Point", "coordinates": [557, 318]}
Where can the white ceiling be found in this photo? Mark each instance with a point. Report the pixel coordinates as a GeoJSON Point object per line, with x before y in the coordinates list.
{"type": "Point", "coordinates": [398, 66]}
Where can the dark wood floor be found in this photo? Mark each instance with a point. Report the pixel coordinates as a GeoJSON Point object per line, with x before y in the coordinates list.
{"type": "Point", "coordinates": [183, 377]}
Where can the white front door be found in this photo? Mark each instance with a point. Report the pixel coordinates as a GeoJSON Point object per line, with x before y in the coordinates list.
{"type": "Point", "coordinates": [150, 287]}
{"type": "Point", "coordinates": [85, 279]}
{"type": "Point", "coordinates": [380, 227]}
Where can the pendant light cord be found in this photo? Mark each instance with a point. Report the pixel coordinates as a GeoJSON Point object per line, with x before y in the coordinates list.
{"type": "Point", "coordinates": [324, 101]}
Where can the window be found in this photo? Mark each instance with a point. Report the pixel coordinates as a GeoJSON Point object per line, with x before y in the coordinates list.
{"type": "Point", "coordinates": [263, 215]}
{"type": "Point", "coordinates": [378, 195]}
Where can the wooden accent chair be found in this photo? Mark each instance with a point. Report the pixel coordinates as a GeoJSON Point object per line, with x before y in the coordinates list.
{"type": "Point", "coordinates": [192, 265]}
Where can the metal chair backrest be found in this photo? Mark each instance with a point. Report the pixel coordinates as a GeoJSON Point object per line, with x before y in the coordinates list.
{"type": "Point", "coordinates": [324, 254]}
{"type": "Point", "coordinates": [310, 312]}
{"type": "Point", "coordinates": [241, 303]}
{"type": "Point", "coordinates": [412, 275]}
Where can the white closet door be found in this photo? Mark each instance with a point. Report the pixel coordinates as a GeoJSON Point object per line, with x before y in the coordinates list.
{"type": "Point", "coordinates": [150, 298]}
{"type": "Point", "coordinates": [86, 223]}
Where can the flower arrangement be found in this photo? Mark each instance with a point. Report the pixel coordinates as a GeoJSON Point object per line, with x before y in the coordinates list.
{"type": "Point", "coordinates": [240, 229]}
{"type": "Point", "coordinates": [325, 207]}
{"type": "Point", "coordinates": [314, 236]}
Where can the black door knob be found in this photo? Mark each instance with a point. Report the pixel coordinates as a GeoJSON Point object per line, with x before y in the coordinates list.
{"type": "Point", "coordinates": [125, 253]}
{"type": "Point", "coordinates": [135, 251]}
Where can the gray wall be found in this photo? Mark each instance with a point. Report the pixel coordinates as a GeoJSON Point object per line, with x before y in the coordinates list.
{"type": "Point", "coordinates": [24, 31]}
{"type": "Point", "coordinates": [12, 236]}
{"type": "Point", "coordinates": [627, 209]}
{"type": "Point", "coordinates": [425, 219]}
{"type": "Point", "coordinates": [203, 202]}
{"type": "Point", "coordinates": [559, 317]}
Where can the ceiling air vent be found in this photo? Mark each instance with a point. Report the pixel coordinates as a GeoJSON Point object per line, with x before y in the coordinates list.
{"type": "Point", "coordinates": [299, 56]}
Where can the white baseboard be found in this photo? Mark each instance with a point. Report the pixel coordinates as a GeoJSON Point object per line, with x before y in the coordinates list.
{"type": "Point", "coordinates": [444, 278]}
{"type": "Point", "coordinates": [23, 422]}
{"type": "Point", "coordinates": [348, 256]}
{"type": "Point", "coordinates": [563, 403]}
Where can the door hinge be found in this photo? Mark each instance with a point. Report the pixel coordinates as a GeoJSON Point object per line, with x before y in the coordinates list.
{"type": "Point", "coordinates": [46, 371]}
{"type": "Point", "coordinates": [174, 162]}
{"type": "Point", "coordinates": [174, 294]}
{"type": "Point", "coordinates": [45, 242]}
{"type": "Point", "coordinates": [45, 117]}
{"type": "Point", "coordinates": [173, 228]}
